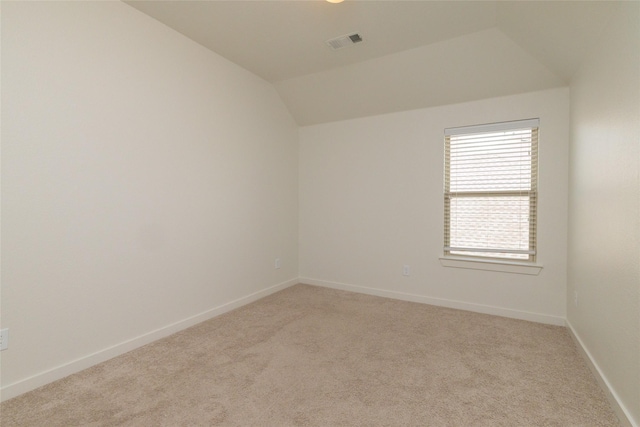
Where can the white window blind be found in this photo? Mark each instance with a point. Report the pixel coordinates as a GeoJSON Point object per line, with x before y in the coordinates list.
{"type": "Point", "coordinates": [490, 190]}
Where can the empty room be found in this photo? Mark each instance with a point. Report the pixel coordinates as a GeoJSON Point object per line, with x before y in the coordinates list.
{"type": "Point", "coordinates": [320, 213]}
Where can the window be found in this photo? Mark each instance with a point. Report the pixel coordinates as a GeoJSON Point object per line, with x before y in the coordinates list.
{"type": "Point", "coordinates": [490, 190]}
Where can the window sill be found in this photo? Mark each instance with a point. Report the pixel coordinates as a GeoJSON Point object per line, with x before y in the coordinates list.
{"type": "Point", "coordinates": [492, 265]}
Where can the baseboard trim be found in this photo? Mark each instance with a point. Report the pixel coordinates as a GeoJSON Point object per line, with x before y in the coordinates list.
{"type": "Point", "coordinates": [621, 411]}
{"type": "Point", "coordinates": [460, 305]}
{"type": "Point", "coordinates": [15, 389]}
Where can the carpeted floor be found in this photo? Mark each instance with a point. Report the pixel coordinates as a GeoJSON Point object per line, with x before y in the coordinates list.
{"type": "Point", "coordinates": [311, 356]}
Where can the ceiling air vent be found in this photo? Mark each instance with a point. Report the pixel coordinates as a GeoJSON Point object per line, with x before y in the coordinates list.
{"type": "Point", "coordinates": [344, 41]}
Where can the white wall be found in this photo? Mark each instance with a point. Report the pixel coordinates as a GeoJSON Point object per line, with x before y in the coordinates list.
{"type": "Point", "coordinates": [145, 181]}
{"type": "Point", "coordinates": [371, 200]}
{"type": "Point", "coordinates": [604, 233]}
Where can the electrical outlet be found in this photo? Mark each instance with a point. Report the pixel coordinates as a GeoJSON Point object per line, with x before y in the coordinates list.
{"type": "Point", "coordinates": [406, 270]}
{"type": "Point", "coordinates": [4, 339]}
{"type": "Point", "coordinates": [278, 264]}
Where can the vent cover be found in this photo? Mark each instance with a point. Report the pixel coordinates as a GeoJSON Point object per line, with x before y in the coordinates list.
{"type": "Point", "coordinates": [344, 41]}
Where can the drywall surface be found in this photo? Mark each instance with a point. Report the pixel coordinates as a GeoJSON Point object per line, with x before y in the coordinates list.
{"type": "Point", "coordinates": [604, 233]}
{"type": "Point", "coordinates": [371, 201]}
{"type": "Point", "coordinates": [145, 181]}
{"type": "Point", "coordinates": [471, 67]}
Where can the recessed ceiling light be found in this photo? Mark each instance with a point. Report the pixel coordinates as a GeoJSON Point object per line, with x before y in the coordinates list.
{"type": "Point", "coordinates": [335, 1]}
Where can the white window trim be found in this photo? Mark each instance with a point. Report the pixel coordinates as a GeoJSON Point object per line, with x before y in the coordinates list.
{"type": "Point", "coordinates": [517, 267]}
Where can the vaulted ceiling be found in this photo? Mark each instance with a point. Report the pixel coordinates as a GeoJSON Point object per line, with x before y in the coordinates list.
{"type": "Point", "coordinates": [414, 54]}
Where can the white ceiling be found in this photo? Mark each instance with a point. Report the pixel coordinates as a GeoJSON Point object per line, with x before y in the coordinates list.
{"type": "Point", "coordinates": [415, 54]}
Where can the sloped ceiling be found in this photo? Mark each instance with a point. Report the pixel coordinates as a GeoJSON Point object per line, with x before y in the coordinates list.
{"type": "Point", "coordinates": [415, 54]}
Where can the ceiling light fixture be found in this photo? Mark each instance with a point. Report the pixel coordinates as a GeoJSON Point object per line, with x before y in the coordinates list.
{"type": "Point", "coordinates": [335, 1]}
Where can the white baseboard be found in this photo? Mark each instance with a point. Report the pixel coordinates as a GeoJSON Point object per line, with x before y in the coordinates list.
{"type": "Point", "coordinates": [625, 418]}
{"type": "Point", "coordinates": [461, 305]}
{"type": "Point", "coordinates": [15, 389]}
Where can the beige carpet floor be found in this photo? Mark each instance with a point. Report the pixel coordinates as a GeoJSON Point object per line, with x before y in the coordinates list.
{"type": "Point", "coordinates": [309, 356]}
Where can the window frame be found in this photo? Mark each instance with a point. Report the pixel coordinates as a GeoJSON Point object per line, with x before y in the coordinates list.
{"type": "Point", "coordinates": [470, 254]}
